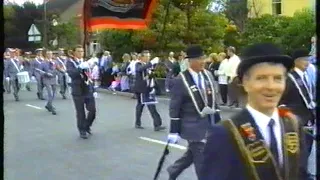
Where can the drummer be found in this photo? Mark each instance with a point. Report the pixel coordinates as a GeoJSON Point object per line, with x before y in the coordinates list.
{"type": "Point", "coordinates": [49, 74]}
{"type": "Point", "coordinates": [27, 67]}
{"type": "Point", "coordinates": [11, 71]}
{"type": "Point", "coordinates": [6, 82]}
{"type": "Point", "coordinates": [62, 77]}
{"type": "Point", "coordinates": [36, 64]}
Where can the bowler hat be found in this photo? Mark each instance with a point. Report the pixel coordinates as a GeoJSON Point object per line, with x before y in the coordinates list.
{"type": "Point", "coordinates": [298, 53]}
{"type": "Point", "coordinates": [260, 53]}
{"type": "Point", "coordinates": [194, 51]}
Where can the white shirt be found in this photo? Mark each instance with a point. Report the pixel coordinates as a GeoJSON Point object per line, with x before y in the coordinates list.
{"type": "Point", "coordinates": [232, 66]}
{"type": "Point", "coordinates": [222, 72]}
{"type": "Point", "coordinates": [262, 122]}
{"type": "Point", "coordinates": [195, 77]}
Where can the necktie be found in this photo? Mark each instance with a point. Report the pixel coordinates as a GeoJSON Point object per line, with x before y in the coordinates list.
{"type": "Point", "coordinates": [200, 82]}
{"type": "Point", "coordinates": [273, 141]}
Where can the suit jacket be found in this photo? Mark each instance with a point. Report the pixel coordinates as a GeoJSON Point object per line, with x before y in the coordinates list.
{"type": "Point", "coordinates": [50, 72]}
{"type": "Point", "coordinates": [192, 126]}
{"type": "Point", "coordinates": [222, 161]}
{"type": "Point", "coordinates": [141, 84]}
{"type": "Point", "coordinates": [293, 100]}
{"type": "Point", "coordinates": [27, 66]}
{"type": "Point", "coordinates": [78, 85]}
{"type": "Point", "coordinates": [12, 69]}
{"type": "Point", "coordinates": [61, 73]}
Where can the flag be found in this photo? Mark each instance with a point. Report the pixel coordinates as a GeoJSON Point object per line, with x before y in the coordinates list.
{"type": "Point", "coordinates": [117, 14]}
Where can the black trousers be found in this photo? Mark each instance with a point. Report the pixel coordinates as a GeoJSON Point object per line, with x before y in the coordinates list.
{"type": "Point", "coordinates": [152, 109]}
{"type": "Point", "coordinates": [194, 154]}
{"type": "Point", "coordinates": [84, 121]}
{"type": "Point", "coordinates": [224, 93]}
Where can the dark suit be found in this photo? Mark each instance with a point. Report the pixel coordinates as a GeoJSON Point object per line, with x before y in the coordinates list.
{"type": "Point", "coordinates": [169, 75]}
{"type": "Point", "coordinates": [187, 122]}
{"type": "Point", "coordinates": [141, 88]}
{"type": "Point", "coordinates": [293, 99]}
{"type": "Point", "coordinates": [223, 161]}
{"type": "Point", "coordinates": [82, 95]}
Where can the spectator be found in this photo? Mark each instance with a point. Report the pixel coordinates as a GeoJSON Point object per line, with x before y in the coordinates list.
{"type": "Point", "coordinates": [222, 77]}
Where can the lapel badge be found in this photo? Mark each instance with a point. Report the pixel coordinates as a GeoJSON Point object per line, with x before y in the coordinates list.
{"type": "Point", "coordinates": [248, 131]}
{"type": "Point", "coordinates": [209, 91]}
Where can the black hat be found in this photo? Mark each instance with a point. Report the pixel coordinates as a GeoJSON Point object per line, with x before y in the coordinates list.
{"type": "Point", "coordinates": [262, 52]}
{"type": "Point", "coordinates": [194, 51]}
{"type": "Point", "coordinates": [298, 53]}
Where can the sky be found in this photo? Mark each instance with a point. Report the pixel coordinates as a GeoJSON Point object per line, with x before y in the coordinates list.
{"type": "Point", "coordinates": [20, 2]}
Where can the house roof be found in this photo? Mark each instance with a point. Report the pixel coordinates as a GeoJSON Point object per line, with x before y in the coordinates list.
{"type": "Point", "coordinates": [60, 6]}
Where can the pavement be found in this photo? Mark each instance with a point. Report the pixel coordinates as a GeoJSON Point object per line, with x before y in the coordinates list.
{"type": "Point", "coordinates": [41, 146]}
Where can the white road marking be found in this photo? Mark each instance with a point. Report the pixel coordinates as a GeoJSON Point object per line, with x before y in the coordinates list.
{"type": "Point", "coordinates": [35, 107]}
{"type": "Point", "coordinates": [164, 143]}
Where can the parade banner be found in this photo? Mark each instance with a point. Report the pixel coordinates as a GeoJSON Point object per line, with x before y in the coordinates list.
{"type": "Point", "coordinates": [117, 14]}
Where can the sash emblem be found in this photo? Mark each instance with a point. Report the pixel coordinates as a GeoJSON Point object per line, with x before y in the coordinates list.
{"type": "Point", "coordinates": [258, 152]}
{"type": "Point", "coordinates": [291, 141]}
{"type": "Point", "coordinates": [248, 131]}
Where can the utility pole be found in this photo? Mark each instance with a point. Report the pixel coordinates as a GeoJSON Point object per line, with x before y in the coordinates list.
{"type": "Point", "coordinates": [45, 23]}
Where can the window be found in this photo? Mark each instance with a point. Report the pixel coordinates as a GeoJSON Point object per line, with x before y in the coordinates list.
{"type": "Point", "coordinates": [276, 7]}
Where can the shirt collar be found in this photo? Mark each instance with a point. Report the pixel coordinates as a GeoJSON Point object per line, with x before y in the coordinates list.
{"type": "Point", "coordinates": [261, 119]}
{"type": "Point", "coordinates": [301, 73]}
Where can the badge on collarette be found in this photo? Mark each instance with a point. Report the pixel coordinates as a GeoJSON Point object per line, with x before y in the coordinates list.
{"type": "Point", "coordinates": [193, 88]}
{"type": "Point", "coordinates": [258, 152]}
{"type": "Point", "coordinates": [248, 131]}
{"type": "Point", "coordinates": [291, 141]}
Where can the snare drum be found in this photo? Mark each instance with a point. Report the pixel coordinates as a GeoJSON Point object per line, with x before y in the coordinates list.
{"type": "Point", "coordinates": [23, 77]}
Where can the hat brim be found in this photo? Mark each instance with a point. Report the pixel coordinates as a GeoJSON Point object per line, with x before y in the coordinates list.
{"type": "Point", "coordinates": [246, 64]}
{"type": "Point", "coordinates": [197, 56]}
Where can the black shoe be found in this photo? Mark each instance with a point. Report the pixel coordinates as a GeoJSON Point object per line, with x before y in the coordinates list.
{"type": "Point", "coordinates": [64, 96]}
{"type": "Point", "coordinates": [159, 128]}
{"type": "Point", "coordinates": [54, 112]}
{"type": "Point", "coordinates": [48, 108]}
{"type": "Point", "coordinates": [17, 98]}
{"type": "Point", "coordinates": [38, 95]}
{"type": "Point", "coordinates": [139, 127]}
{"type": "Point", "coordinates": [28, 89]}
{"type": "Point", "coordinates": [89, 131]}
{"type": "Point", "coordinates": [83, 135]}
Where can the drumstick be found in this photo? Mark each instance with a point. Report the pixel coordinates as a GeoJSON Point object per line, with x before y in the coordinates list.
{"type": "Point", "coordinates": [43, 72]}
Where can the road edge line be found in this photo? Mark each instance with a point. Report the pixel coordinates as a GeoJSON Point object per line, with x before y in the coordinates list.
{"type": "Point", "coordinates": [32, 106]}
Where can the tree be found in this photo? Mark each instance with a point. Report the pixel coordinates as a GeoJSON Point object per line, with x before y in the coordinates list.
{"type": "Point", "coordinates": [8, 14]}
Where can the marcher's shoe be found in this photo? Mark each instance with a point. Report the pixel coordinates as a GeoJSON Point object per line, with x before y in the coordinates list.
{"type": "Point", "coordinates": [64, 96]}
{"type": "Point", "coordinates": [54, 112]}
{"type": "Point", "coordinates": [159, 128]}
{"type": "Point", "coordinates": [139, 127]}
{"type": "Point", "coordinates": [16, 98]}
{"type": "Point", "coordinates": [83, 135]}
{"type": "Point", "coordinates": [89, 131]}
{"type": "Point", "coordinates": [38, 95]}
{"type": "Point", "coordinates": [28, 89]}
{"type": "Point", "coordinates": [48, 108]}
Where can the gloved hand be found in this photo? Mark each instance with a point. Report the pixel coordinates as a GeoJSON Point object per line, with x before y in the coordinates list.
{"type": "Point", "coordinates": [33, 78]}
{"type": "Point", "coordinates": [7, 78]}
{"type": "Point", "coordinates": [173, 138]}
{"type": "Point", "coordinates": [154, 61]}
{"type": "Point", "coordinates": [84, 65]}
{"type": "Point", "coordinates": [95, 94]}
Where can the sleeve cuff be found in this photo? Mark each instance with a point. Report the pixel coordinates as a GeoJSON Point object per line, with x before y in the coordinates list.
{"type": "Point", "coordinates": [175, 125]}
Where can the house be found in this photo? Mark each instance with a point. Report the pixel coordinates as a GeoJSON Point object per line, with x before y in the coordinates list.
{"type": "Point", "coordinates": [277, 7]}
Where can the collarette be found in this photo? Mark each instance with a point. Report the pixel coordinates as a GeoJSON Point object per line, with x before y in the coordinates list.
{"type": "Point", "coordinates": [261, 119]}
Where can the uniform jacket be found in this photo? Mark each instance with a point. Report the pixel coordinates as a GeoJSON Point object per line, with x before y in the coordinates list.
{"type": "Point", "coordinates": [50, 75]}
{"type": "Point", "coordinates": [36, 64]}
{"type": "Point", "coordinates": [78, 85]}
{"type": "Point", "coordinates": [12, 69]}
{"type": "Point", "coordinates": [222, 161]}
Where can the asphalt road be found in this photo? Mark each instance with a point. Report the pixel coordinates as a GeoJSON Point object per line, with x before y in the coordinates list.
{"type": "Point", "coordinates": [41, 146]}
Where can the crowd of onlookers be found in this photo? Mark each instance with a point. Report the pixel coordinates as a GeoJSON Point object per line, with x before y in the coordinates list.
{"type": "Point", "coordinates": [223, 66]}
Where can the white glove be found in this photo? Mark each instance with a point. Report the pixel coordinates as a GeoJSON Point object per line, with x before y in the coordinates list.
{"type": "Point", "coordinates": [7, 78]}
{"type": "Point", "coordinates": [95, 94]}
{"type": "Point", "coordinates": [173, 138]}
{"type": "Point", "coordinates": [84, 65]}
{"type": "Point", "coordinates": [33, 78]}
{"type": "Point", "coordinates": [154, 61]}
